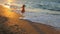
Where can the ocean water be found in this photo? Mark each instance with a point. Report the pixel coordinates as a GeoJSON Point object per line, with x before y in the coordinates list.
{"type": "Point", "coordinates": [44, 17]}
{"type": "Point", "coordinates": [42, 11]}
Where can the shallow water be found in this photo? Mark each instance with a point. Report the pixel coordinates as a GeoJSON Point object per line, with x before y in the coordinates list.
{"type": "Point", "coordinates": [45, 18]}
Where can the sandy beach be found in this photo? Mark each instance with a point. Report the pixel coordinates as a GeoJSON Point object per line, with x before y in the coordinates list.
{"type": "Point", "coordinates": [11, 24]}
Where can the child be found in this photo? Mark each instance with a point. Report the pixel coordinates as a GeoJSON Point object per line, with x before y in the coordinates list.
{"type": "Point", "coordinates": [23, 9]}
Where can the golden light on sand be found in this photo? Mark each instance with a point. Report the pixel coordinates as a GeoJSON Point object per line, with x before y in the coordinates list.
{"type": "Point", "coordinates": [9, 1]}
{"type": "Point", "coordinates": [4, 11]}
{"type": "Point", "coordinates": [6, 6]}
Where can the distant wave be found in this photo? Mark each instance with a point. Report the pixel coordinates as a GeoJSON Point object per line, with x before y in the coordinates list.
{"type": "Point", "coordinates": [55, 14]}
{"type": "Point", "coordinates": [54, 9]}
{"type": "Point", "coordinates": [52, 14]}
{"type": "Point", "coordinates": [48, 5]}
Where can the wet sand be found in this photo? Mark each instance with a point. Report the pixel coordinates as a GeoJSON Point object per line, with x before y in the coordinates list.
{"type": "Point", "coordinates": [11, 24]}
